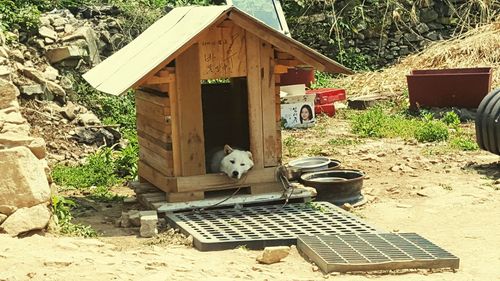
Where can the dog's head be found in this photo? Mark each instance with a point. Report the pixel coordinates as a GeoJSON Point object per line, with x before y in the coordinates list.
{"type": "Point", "coordinates": [236, 162]}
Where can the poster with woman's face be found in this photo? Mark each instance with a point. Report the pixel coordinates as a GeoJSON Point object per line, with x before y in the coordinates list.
{"type": "Point", "coordinates": [297, 114]}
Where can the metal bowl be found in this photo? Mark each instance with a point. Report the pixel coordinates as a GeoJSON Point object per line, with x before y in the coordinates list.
{"type": "Point", "coordinates": [294, 172]}
{"type": "Point", "coordinates": [310, 164]}
{"type": "Point", "coordinates": [336, 186]}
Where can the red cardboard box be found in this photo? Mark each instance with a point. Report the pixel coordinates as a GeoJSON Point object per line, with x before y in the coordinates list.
{"type": "Point", "coordinates": [328, 109]}
{"type": "Point", "coordinates": [327, 95]}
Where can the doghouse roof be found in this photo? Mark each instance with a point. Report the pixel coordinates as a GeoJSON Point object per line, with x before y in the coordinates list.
{"type": "Point", "coordinates": [174, 33]}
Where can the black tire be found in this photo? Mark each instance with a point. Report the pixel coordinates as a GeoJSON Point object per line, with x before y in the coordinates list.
{"type": "Point", "coordinates": [487, 123]}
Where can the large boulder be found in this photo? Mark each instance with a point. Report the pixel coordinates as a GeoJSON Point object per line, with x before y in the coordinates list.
{"type": "Point", "coordinates": [24, 183]}
{"type": "Point", "coordinates": [26, 219]}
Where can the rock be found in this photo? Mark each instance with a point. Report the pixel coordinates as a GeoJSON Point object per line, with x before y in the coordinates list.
{"type": "Point", "coordinates": [30, 90]}
{"type": "Point", "coordinates": [26, 219]}
{"type": "Point", "coordinates": [2, 218]}
{"type": "Point", "coordinates": [125, 219]}
{"type": "Point", "coordinates": [24, 183]}
{"type": "Point", "coordinates": [91, 40]}
{"type": "Point", "coordinates": [58, 54]}
{"type": "Point", "coordinates": [54, 89]}
{"type": "Point", "coordinates": [422, 28]}
{"type": "Point", "coordinates": [17, 55]}
{"type": "Point", "coordinates": [7, 210]}
{"type": "Point", "coordinates": [69, 111]}
{"type": "Point", "coordinates": [88, 118]}
{"type": "Point", "coordinates": [5, 72]}
{"type": "Point", "coordinates": [59, 22]}
{"type": "Point", "coordinates": [3, 52]}
{"type": "Point", "coordinates": [50, 73]}
{"type": "Point", "coordinates": [38, 148]}
{"type": "Point", "coordinates": [347, 206]}
{"type": "Point", "coordinates": [433, 35]}
{"type": "Point", "coordinates": [47, 32]}
{"type": "Point", "coordinates": [68, 28]}
{"type": "Point", "coordinates": [272, 255]}
{"type": "Point", "coordinates": [134, 217]}
{"type": "Point", "coordinates": [44, 21]}
{"type": "Point", "coordinates": [149, 222]}
{"type": "Point", "coordinates": [12, 115]}
{"type": "Point", "coordinates": [428, 15]}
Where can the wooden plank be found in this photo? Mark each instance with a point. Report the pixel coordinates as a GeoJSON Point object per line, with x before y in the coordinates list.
{"type": "Point", "coordinates": [268, 187]}
{"type": "Point", "coordinates": [184, 196]}
{"type": "Point", "coordinates": [255, 99]}
{"type": "Point", "coordinates": [163, 88]}
{"type": "Point", "coordinates": [223, 52]}
{"type": "Point", "coordinates": [220, 181]}
{"type": "Point", "coordinates": [162, 149]}
{"type": "Point", "coordinates": [279, 148]}
{"type": "Point", "coordinates": [154, 176]}
{"type": "Point", "coordinates": [175, 136]}
{"type": "Point", "coordinates": [288, 45]}
{"type": "Point", "coordinates": [161, 79]}
{"type": "Point", "coordinates": [140, 187]}
{"type": "Point", "coordinates": [240, 199]}
{"type": "Point", "coordinates": [191, 143]}
{"type": "Point", "coordinates": [268, 105]}
{"type": "Point", "coordinates": [152, 110]}
{"type": "Point", "coordinates": [159, 163]}
{"type": "Point", "coordinates": [161, 100]}
{"type": "Point", "coordinates": [156, 130]}
{"type": "Point", "coordinates": [288, 62]}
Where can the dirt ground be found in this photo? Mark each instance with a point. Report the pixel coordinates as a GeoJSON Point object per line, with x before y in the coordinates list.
{"type": "Point", "coordinates": [448, 197]}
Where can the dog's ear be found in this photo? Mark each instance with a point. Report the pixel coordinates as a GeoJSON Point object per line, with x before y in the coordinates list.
{"type": "Point", "coordinates": [227, 149]}
{"type": "Point", "coordinates": [250, 155]}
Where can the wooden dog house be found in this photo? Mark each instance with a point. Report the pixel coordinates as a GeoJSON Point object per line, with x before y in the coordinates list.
{"type": "Point", "coordinates": [167, 64]}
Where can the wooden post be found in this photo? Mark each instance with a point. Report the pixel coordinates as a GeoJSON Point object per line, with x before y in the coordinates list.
{"type": "Point", "coordinates": [187, 118]}
{"type": "Point", "coordinates": [268, 105]}
{"type": "Point", "coordinates": [254, 81]}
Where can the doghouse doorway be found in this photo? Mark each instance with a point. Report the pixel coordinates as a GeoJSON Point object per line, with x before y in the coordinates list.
{"type": "Point", "coordinates": [225, 114]}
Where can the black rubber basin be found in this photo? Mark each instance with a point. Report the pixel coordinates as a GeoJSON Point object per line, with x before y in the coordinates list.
{"type": "Point", "coordinates": [336, 186]}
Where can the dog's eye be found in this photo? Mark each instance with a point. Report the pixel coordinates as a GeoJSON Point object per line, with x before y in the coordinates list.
{"type": "Point", "coordinates": [242, 164]}
{"type": "Point", "coordinates": [232, 161]}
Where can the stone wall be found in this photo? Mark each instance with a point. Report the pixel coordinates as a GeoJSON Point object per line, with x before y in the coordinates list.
{"type": "Point", "coordinates": [384, 34]}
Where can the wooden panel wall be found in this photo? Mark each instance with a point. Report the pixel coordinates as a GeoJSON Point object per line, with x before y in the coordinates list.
{"type": "Point", "coordinates": [154, 135]}
{"type": "Point", "coordinates": [222, 52]}
{"type": "Point", "coordinates": [187, 117]}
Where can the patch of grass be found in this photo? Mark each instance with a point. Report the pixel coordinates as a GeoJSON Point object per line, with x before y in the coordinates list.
{"type": "Point", "coordinates": [463, 142]}
{"type": "Point", "coordinates": [432, 131]}
{"type": "Point", "coordinates": [314, 150]}
{"type": "Point", "coordinates": [103, 194]}
{"type": "Point", "coordinates": [61, 207]}
{"type": "Point", "coordinates": [377, 123]}
{"type": "Point", "coordinates": [322, 80]}
{"type": "Point", "coordinates": [291, 145]}
{"type": "Point", "coordinates": [343, 142]}
{"type": "Point", "coordinates": [99, 170]}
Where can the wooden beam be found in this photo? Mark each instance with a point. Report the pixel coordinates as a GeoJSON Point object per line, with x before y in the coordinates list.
{"type": "Point", "coordinates": [254, 81]}
{"type": "Point", "coordinates": [218, 181]}
{"type": "Point", "coordinates": [161, 79]}
{"type": "Point", "coordinates": [153, 176]}
{"type": "Point", "coordinates": [268, 105]}
{"type": "Point", "coordinates": [189, 115]}
{"type": "Point", "coordinates": [161, 100]}
{"type": "Point", "coordinates": [280, 69]}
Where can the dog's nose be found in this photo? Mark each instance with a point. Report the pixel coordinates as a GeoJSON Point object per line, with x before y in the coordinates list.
{"type": "Point", "coordinates": [235, 174]}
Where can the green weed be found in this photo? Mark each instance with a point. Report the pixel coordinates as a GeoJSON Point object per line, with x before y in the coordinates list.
{"type": "Point", "coordinates": [464, 143]}
{"type": "Point", "coordinates": [291, 145]}
{"type": "Point", "coordinates": [432, 131]}
{"type": "Point", "coordinates": [61, 207]}
{"type": "Point", "coordinates": [343, 142]}
{"type": "Point", "coordinates": [99, 170]}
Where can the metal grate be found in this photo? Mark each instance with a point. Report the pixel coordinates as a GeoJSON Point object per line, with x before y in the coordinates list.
{"type": "Point", "coordinates": [259, 227]}
{"type": "Point", "coordinates": [383, 251]}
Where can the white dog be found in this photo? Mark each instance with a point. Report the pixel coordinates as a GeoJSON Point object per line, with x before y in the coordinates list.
{"type": "Point", "coordinates": [233, 162]}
